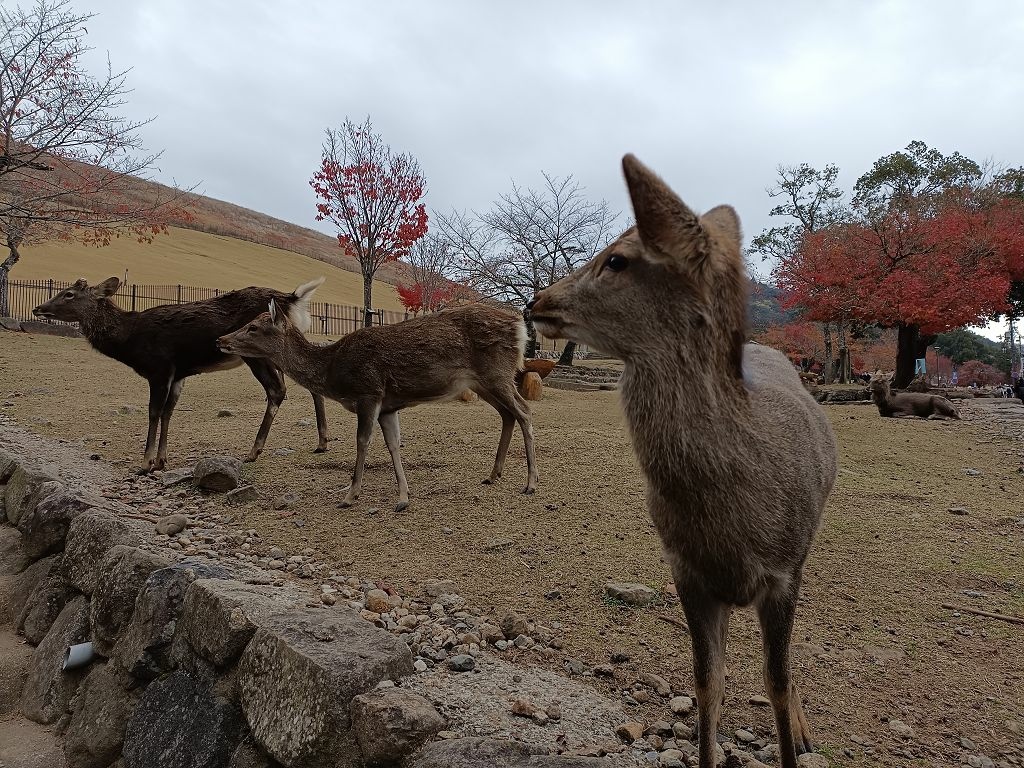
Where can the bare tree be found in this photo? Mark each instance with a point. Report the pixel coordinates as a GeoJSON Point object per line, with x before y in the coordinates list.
{"type": "Point", "coordinates": [432, 266]}
{"type": "Point", "coordinates": [68, 159]}
{"type": "Point", "coordinates": [528, 240]}
{"type": "Point", "coordinates": [372, 196]}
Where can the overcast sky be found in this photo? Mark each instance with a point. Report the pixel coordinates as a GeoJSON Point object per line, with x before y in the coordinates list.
{"type": "Point", "coordinates": [711, 96]}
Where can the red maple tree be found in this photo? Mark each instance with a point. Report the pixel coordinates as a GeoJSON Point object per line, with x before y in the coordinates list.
{"type": "Point", "coordinates": [372, 196]}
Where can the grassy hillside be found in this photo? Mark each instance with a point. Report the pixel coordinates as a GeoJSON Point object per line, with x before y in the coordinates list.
{"type": "Point", "coordinates": [197, 258]}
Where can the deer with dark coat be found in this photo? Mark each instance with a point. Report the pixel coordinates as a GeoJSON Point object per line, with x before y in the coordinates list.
{"type": "Point", "coordinates": [738, 457]}
{"type": "Point", "coordinates": [168, 343]}
{"type": "Point", "coordinates": [910, 404]}
{"type": "Point", "coordinates": [375, 372]}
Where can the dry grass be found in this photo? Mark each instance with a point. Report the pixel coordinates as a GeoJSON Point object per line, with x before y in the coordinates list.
{"type": "Point", "coordinates": [888, 555]}
{"type": "Point", "coordinates": [197, 258]}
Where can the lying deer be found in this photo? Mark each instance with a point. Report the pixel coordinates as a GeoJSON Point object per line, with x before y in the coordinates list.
{"type": "Point", "coordinates": [167, 344]}
{"type": "Point", "coordinates": [375, 372]}
{"type": "Point", "coordinates": [738, 457]}
{"type": "Point", "coordinates": [909, 404]}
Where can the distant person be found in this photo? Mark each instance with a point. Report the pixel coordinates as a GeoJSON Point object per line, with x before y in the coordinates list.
{"type": "Point", "coordinates": [1018, 388]}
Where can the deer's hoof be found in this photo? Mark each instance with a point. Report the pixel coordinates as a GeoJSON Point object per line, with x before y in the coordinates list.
{"type": "Point", "coordinates": [345, 504]}
{"type": "Point", "coordinates": [489, 480]}
{"type": "Point", "coordinates": [529, 490]}
{"type": "Point", "coordinates": [320, 449]}
{"type": "Point", "coordinates": [401, 505]}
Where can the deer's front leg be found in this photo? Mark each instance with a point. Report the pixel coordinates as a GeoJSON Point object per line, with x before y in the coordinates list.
{"type": "Point", "coordinates": [708, 620]}
{"type": "Point", "coordinates": [158, 392]}
{"type": "Point", "coordinates": [393, 439]}
{"type": "Point", "coordinates": [366, 415]}
{"type": "Point", "coordinates": [321, 423]}
{"type": "Point", "coordinates": [165, 420]}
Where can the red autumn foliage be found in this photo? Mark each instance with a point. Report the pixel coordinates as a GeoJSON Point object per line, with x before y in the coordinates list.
{"type": "Point", "coordinates": [801, 342]}
{"type": "Point", "coordinates": [982, 374]}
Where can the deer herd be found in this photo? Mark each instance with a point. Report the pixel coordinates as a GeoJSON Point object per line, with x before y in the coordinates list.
{"type": "Point", "coordinates": [739, 462]}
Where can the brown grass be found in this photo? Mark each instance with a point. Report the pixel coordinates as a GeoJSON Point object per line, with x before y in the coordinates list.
{"type": "Point", "coordinates": [196, 258]}
{"type": "Point", "coordinates": [888, 556]}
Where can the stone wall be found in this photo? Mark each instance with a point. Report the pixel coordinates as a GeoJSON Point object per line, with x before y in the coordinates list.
{"type": "Point", "coordinates": [197, 663]}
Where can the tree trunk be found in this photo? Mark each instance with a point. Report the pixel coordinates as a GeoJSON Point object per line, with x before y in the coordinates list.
{"type": "Point", "coordinates": [911, 345]}
{"type": "Point", "coordinates": [845, 368]}
{"type": "Point", "coordinates": [567, 353]}
{"type": "Point", "coordinates": [531, 335]}
{"type": "Point", "coordinates": [367, 300]}
{"type": "Point", "coordinates": [5, 270]}
{"type": "Point", "coordinates": [828, 370]}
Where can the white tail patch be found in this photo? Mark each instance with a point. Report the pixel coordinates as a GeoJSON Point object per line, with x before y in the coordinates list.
{"type": "Point", "coordinates": [521, 341]}
{"type": "Point", "coordinates": [298, 313]}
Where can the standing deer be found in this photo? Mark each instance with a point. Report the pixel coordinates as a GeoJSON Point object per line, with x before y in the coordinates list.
{"type": "Point", "coordinates": [910, 404]}
{"type": "Point", "coordinates": [375, 372]}
{"type": "Point", "coordinates": [167, 344]}
{"type": "Point", "coordinates": [738, 457]}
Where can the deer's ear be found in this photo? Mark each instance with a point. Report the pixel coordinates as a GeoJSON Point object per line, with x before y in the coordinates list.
{"type": "Point", "coordinates": [277, 317]}
{"type": "Point", "coordinates": [724, 222]}
{"type": "Point", "coordinates": [107, 287]}
{"type": "Point", "coordinates": [669, 230]}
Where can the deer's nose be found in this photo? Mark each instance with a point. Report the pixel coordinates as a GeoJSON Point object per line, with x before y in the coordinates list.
{"type": "Point", "coordinates": [531, 302]}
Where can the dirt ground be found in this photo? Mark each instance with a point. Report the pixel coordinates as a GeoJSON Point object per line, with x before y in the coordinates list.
{"type": "Point", "coordinates": [873, 640]}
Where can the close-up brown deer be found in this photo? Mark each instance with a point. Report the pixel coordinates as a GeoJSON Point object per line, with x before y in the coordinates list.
{"type": "Point", "coordinates": [376, 372]}
{"type": "Point", "coordinates": [167, 344]}
{"type": "Point", "coordinates": [738, 457]}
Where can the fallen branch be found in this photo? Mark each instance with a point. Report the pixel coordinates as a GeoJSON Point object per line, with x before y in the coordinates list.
{"type": "Point", "coordinates": [987, 614]}
{"type": "Point", "coordinates": [674, 621]}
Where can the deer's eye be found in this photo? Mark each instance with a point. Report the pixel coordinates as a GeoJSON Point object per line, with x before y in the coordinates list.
{"type": "Point", "coordinates": [69, 295]}
{"type": "Point", "coordinates": [617, 262]}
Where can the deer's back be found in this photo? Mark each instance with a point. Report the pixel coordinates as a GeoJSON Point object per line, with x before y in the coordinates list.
{"type": "Point", "coordinates": [185, 335]}
{"type": "Point", "coordinates": [431, 357]}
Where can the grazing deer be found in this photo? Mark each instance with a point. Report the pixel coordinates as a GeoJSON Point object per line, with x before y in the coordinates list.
{"type": "Point", "coordinates": [909, 404]}
{"type": "Point", "coordinates": [738, 457]}
{"type": "Point", "coordinates": [375, 372]}
{"type": "Point", "coordinates": [168, 343]}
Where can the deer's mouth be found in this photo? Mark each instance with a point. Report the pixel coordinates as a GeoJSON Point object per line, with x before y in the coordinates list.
{"type": "Point", "coordinates": [43, 314]}
{"type": "Point", "coordinates": [548, 325]}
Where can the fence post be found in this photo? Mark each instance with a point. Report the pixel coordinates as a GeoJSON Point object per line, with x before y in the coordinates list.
{"type": "Point", "coordinates": [179, 293]}
{"type": "Point", "coordinates": [133, 296]}
{"type": "Point", "coordinates": [49, 288]}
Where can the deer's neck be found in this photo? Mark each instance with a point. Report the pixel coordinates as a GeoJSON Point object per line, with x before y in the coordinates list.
{"type": "Point", "coordinates": [107, 329]}
{"type": "Point", "coordinates": [305, 362]}
{"type": "Point", "coordinates": [686, 415]}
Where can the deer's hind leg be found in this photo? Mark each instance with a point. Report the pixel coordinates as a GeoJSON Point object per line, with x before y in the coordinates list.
{"type": "Point", "coordinates": [776, 613]}
{"type": "Point", "coordinates": [708, 620]}
{"type": "Point", "coordinates": [273, 382]}
{"type": "Point", "coordinates": [506, 398]}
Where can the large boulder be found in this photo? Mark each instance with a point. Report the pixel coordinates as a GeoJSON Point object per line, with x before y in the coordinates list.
{"type": "Point", "coordinates": [392, 723]}
{"type": "Point", "coordinates": [299, 674]}
{"type": "Point", "coordinates": [43, 606]}
{"type": "Point", "coordinates": [217, 473]}
{"type": "Point", "coordinates": [122, 573]}
{"type": "Point", "coordinates": [16, 590]}
{"type": "Point", "coordinates": [182, 722]}
{"type": "Point", "coordinates": [494, 753]}
{"type": "Point", "coordinates": [49, 688]}
{"type": "Point", "coordinates": [100, 712]}
{"type": "Point", "coordinates": [144, 648]}
{"type": "Point", "coordinates": [13, 557]}
{"type": "Point", "coordinates": [26, 486]}
{"type": "Point", "coordinates": [91, 535]}
{"type": "Point", "coordinates": [45, 526]}
{"type": "Point", "coordinates": [249, 755]}
{"type": "Point", "coordinates": [8, 463]}
{"type": "Point", "coordinates": [15, 657]}
{"type": "Point", "coordinates": [220, 617]}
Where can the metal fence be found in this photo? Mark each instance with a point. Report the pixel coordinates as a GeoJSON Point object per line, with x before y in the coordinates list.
{"type": "Point", "coordinates": [331, 320]}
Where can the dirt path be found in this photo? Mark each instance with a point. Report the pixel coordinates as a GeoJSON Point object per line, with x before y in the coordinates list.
{"type": "Point", "coordinates": [874, 642]}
